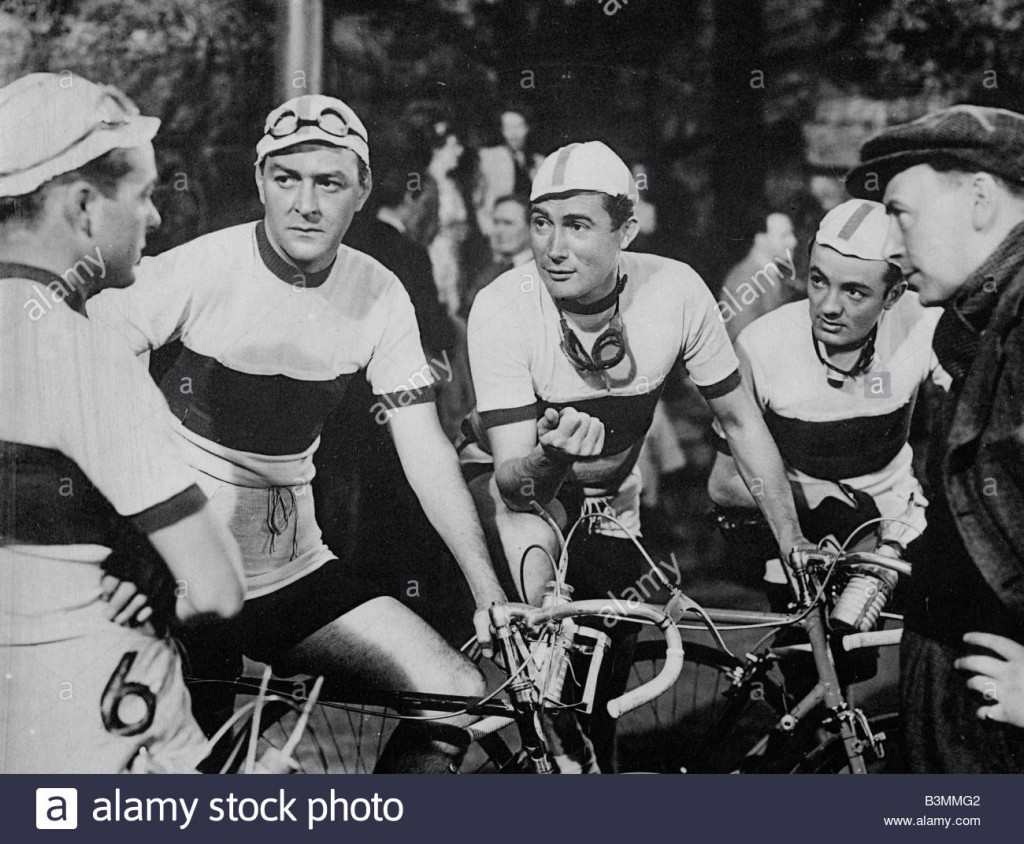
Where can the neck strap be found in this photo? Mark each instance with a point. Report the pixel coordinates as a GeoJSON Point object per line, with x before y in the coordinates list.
{"type": "Point", "coordinates": [603, 304]}
{"type": "Point", "coordinates": [864, 359]}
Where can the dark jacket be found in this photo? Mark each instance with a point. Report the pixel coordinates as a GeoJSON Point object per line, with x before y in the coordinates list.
{"type": "Point", "coordinates": [411, 263]}
{"type": "Point", "coordinates": [983, 452]}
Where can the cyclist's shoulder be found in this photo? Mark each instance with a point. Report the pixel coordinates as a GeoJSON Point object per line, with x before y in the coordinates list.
{"type": "Point", "coordinates": [774, 331]}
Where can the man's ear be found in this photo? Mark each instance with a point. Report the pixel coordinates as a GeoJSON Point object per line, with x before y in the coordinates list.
{"type": "Point", "coordinates": [894, 293]}
{"type": "Point", "coordinates": [79, 204]}
{"type": "Point", "coordinates": [258, 171]}
{"type": "Point", "coordinates": [629, 232]}
{"type": "Point", "coordinates": [365, 191]}
{"type": "Point", "coordinates": [984, 201]}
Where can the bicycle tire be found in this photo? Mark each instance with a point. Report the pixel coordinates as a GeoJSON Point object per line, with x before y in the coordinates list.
{"type": "Point", "coordinates": [341, 737]}
{"type": "Point", "coordinates": [696, 728]}
{"type": "Point", "coordinates": [829, 757]}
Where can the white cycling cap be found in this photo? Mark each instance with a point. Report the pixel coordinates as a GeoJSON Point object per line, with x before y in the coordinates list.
{"type": "Point", "coordinates": [54, 123]}
{"type": "Point", "coordinates": [590, 166]}
{"type": "Point", "coordinates": [313, 117]}
{"type": "Point", "coordinates": [857, 228]}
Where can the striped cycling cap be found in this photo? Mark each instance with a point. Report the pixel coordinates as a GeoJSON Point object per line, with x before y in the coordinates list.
{"type": "Point", "coordinates": [857, 228]}
{"type": "Point", "coordinates": [590, 166]}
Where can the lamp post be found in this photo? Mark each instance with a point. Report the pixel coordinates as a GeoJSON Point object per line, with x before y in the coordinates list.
{"type": "Point", "coordinates": [300, 49]}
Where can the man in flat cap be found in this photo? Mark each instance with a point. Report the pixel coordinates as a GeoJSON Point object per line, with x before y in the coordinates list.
{"type": "Point", "coordinates": [953, 186]}
{"type": "Point", "coordinates": [92, 477]}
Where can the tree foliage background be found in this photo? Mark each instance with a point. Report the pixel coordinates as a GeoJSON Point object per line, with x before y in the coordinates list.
{"type": "Point", "coordinates": [664, 81]}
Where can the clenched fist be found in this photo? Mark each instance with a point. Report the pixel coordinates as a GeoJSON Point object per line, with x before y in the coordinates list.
{"type": "Point", "coordinates": [569, 434]}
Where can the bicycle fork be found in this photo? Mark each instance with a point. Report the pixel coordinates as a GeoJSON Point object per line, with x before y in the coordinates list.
{"type": "Point", "coordinates": [827, 691]}
{"type": "Point", "coordinates": [520, 689]}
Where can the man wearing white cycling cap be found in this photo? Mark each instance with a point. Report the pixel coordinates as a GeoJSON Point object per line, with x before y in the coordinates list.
{"type": "Point", "coordinates": [92, 476]}
{"type": "Point", "coordinates": [275, 318]}
{"type": "Point", "coordinates": [836, 378]}
{"type": "Point", "coordinates": [569, 354]}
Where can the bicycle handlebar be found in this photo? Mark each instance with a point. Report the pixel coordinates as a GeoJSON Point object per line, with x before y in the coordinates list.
{"type": "Point", "coordinates": [673, 651]}
{"type": "Point", "coordinates": [799, 560]}
{"type": "Point", "coordinates": [881, 560]}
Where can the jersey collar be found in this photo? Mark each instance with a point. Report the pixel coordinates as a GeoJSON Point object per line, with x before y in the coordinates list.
{"type": "Point", "coordinates": [281, 268]}
{"type": "Point", "coordinates": [12, 270]}
{"type": "Point", "coordinates": [571, 306]}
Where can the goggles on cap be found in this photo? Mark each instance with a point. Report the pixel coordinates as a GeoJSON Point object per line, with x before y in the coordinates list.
{"type": "Point", "coordinates": [329, 120]}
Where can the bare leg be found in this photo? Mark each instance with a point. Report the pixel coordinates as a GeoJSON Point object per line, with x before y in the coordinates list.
{"type": "Point", "coordinates": [509, 534]}
{"type": "Point", "coordinates": [384, 644]}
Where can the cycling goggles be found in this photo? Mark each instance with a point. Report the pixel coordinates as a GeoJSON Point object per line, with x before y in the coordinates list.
{"type": "Point", "coordinates": [608, 351]}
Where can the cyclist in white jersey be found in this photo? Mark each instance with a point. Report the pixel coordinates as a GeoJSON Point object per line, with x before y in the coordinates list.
{"type": "Point", "coordinates": [836, 378]}
{"type": "Point", "coordinates": [275, 318]}
{"type": "Point", "coordinates": [91, 475]}
{"type": "Point", "coordinates": [569, 353]}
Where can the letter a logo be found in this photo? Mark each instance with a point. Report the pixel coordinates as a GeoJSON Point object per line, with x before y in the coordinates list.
{"type": "Point", "coordinates": [56, 808]}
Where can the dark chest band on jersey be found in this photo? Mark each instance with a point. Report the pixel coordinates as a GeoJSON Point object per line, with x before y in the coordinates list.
{"type": "Point", "coordinates": [626, 418]}
{"type": "Point", "coordinates": [842, 448]}
{"type": "Point", "coordinates": [260, 414]}
{"type": "Point", "coordinates": [46, 499]}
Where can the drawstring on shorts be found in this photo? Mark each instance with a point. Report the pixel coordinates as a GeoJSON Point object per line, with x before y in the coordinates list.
{"type": "Point", "coordinates": [278, 516]}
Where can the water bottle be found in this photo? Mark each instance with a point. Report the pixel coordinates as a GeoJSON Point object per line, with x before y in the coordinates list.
{"type": "Point", "coordinates": [863, 599]}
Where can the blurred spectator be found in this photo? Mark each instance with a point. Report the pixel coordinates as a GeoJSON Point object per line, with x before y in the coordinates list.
{"type": "Point", "coordinates": [510, 236]}
{"type": "Point", "coordinates": [406, 219]}
{"type": "Point", "coordinates": [15, 46]}
{"type": "Point", "coordinates": [646, 214]}
{"type": "Point", "coordinates": [360, 489]}
{"type": "Point", "coordinates": [453, 215]}
{"type": "Point", "coordinates": [763, 279]}
{"type": "Point", "coordinates": [507, 168]}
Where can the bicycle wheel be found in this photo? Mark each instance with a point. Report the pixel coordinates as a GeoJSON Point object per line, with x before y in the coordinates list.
{"type": "Point", "coordinates": [830, 757]}
{"type": "Point", "coordinates": [705, 724]}
{"type": "Point", "coordinates": [339, 737]}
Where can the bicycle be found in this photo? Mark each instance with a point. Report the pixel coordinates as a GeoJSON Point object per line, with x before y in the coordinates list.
{"type": "Point", "coordinates": [285, 726]}
{"type": "Point", "coordinates": [742, 719]}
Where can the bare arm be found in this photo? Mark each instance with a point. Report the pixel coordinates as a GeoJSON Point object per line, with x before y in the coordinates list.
{"type": "Point", "coordinates": [205, 560]}
{"type": "Point", "coordinates": [757, 459]}
{"type": "Point", "coordinates": [532, 459]}
{"type": "Point", "coordinates": [726, 486]}
{"type": "Point", "coordinates": [433, 471]}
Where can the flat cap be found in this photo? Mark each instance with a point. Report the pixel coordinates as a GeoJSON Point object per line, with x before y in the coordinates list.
{"type": "Point", "coordinates": [981, 138]}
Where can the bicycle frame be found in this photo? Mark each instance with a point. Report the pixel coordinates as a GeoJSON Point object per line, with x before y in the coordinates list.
{"type": "Point", "coordinates": [828, 689]}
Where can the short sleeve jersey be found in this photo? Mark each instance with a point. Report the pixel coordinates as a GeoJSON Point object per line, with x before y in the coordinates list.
{"type": "Point", "coordinates": [857, 433]}
{"type": "Point", "coordinates": [268, 351]}
{"type": "Point", "coordinates": [85, 436]}
{"type": "Point", "coordinates": [519, 368]}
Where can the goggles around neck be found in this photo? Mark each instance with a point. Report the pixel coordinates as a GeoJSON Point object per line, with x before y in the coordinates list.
{"type": "Point", "coordinates": [608, 351]}
{"type": "Point", "coordinates": [837, 376]}
{"type": "Point", "coordinates": [329, 120]}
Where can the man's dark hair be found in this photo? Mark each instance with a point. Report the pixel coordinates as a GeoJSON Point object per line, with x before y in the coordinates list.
{"type": "Point", "coordinates": [308, 146]}
{"type": "Point", "coordinates": [105, 173]}
{"type": "Point", "coordinates": [752, 221]}
{"type": "Point", "coordinates": [893, 276]}
{"type": "Point", "coordinates": [400, 166]}
{"type": "Point", "coordinates": [620, 208]}
{"type": "Point", "coordinates": [519, 199]}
